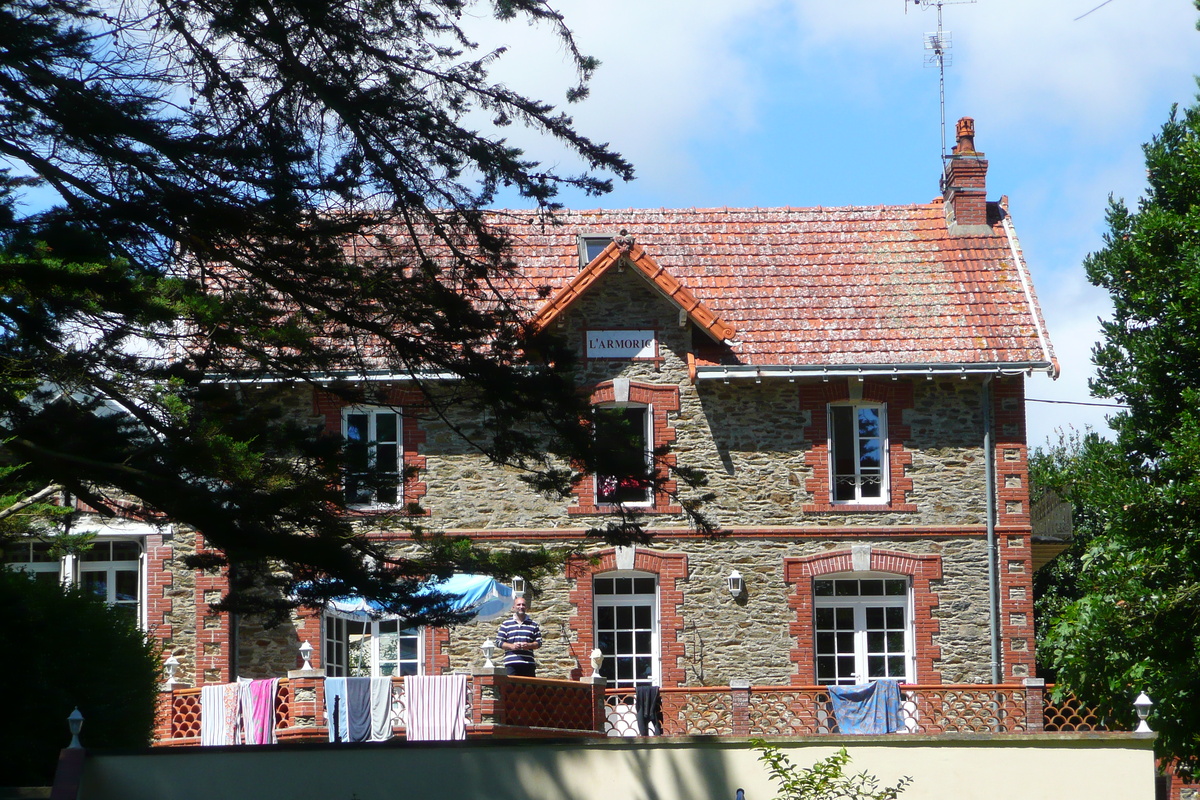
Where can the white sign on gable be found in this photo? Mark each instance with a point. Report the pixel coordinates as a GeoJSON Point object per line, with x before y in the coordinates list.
{"type": "Point", "coordinates": [621, 344]}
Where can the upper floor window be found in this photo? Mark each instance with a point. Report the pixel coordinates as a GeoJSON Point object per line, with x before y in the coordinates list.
{"type": "Point", "coordinates": [863, 629]}
{"type": "Point", "coordinates": [858, 447]}
{"type": "Point", "coordinates": [623, 480]}
{"type": "Point", "coordinates": [373, 455]}
{"type": "Point", "coordinates": [359, 648]}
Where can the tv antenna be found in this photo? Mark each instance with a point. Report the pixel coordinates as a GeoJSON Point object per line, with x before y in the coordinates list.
{"type": "Point", "coordinates": [937, 45]}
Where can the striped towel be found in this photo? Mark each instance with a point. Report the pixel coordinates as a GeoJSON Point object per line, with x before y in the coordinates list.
{"type": "Point", "coordinates": [436, 707]}
{"type": "Point", "coordinates": [219, 714]}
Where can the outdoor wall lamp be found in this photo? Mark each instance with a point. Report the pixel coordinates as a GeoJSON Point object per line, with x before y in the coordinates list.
{"type": "Point", "coordinates": [518, 584]}
{"type": "Point", "coordinates": [75, 723]}
{"type": "Point", "coordinates": [1142, 705]}
{"type": "Point", "coordinates": [171, 667]}
{"type": "Point", "coordinates": [736, 584]}
{"type": "Point", "coordinates": [306, 651]}
{"type": "Point", "coordinates": [488, 647]}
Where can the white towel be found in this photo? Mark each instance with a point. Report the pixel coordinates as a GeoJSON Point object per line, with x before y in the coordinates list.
{"type": "Point", "coordinates": [381, 709]}
{"type": "Point", "coordinates": [436, 707]}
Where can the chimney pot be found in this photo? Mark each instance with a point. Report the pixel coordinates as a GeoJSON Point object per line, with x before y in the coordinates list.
{"type": "Point", "coordinates": [965, 136]}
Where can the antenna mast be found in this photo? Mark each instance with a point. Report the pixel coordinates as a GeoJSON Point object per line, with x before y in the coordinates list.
{"type": "Point", "coordinates": [938, 43]}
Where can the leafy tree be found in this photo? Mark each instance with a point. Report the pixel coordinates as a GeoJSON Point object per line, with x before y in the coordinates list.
{"type": "Point", "coordinates": [824, 780]}
{"type": "Point", "coordinates": [57, 673]}
{"type": "Point", "coordinates": [1135, 626]}
{"type": "Point", "coordinates": [276, 189]}
{"type": "Point", "coordinates": [1078, 469]}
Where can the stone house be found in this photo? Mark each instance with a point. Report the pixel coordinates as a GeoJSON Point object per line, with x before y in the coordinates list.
{"type": "Point", "coordinates": [850, 380]}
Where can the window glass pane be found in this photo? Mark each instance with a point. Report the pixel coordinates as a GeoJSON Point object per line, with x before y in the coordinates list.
{"type": "Point", "coordinates": [895, 666]}
{"type": "Point", "coordinates": [625, 642]}
{"type": "Point", "coordinates": [895, 617]}
{"type": "Point", "coordinates": [823, 588]}
{"type": "Point", "coordinates": [844, 471]}
{"type": "Point", "coordinates": [387, 459]}
{"type": "Point", "coordinates": [126, 551]}
{"type": "Point", "coordinates": [875, 617]}
{"type": "Point", "coordinates": [845, 641]}
{"type": "Point", "coordinates": [868, 422]}
{"type": "Point", "coordinates": [875, 641]}
{"type": "Point", "coordinates": [824, 618]}
{"type": "Point", "coordinates": [845, 666]}
{"type": "Point", "coordinates": [96, 583]}
{"type": "Point", "coordinates": [642, 665]}
{"type": "Point", "coordinates": [603, 586]}
{"type": "Point", "coordinates": [606, 616]}
{"type": "Point", "coordinates": [643, 585]}
{"type": "Point", "coordinates": [845, 617]}
{"type": "Point", "coordinates": [641, 617]}
{"type": "Point", "coordinates": [872, 588]}
{"type": "Point", "coordinates": [99, 551]}
{"type": "Point", "coordinates": [826, 669]}
{"type": "Point", "coordinates": [625, 669]}
{"type": "Point", "coordinates": [624, 616]}
{"type": "Point", "coordinates": [386, 428]}
{"type": "Point", "coordinates": [845, 588]}
{"type": "Point", "coordinates": [825, 643]}
{"type": "Point", "coordinates": [895, 641]}
{"type": "Point", "coordinates": [896, 587]}
{"type": "Point", "coordinates": [127, 586]}
{"type": "Point", "coordinates": [876, 667]}
{"type": "Point", "coordinates": [641, 641]}
{"type": "Point", "coordinates": [623, 585]}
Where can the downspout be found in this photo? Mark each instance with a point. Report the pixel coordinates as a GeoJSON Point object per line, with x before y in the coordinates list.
{"type": "Point", "coordinates": [989, 477]}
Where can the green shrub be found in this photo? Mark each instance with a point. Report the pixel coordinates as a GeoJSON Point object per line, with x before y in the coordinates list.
{"type": "Point", "coordinates": [824, 780]}
{"type": "Point", "coordinates": [63, 648]}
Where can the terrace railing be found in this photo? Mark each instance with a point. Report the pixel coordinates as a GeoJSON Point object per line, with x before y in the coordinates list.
{"type": "Point", "coordinates": [502, 706]}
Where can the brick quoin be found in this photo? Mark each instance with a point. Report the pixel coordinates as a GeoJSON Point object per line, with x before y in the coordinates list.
{"type": "Point", "coordinates": [1013, 528]}
{"type": "Point", "coordinates": [896, 397]}
{"type": "Point", "coordinates": [922, 569]}
{"type": "Point", "coordinates": [671, 569]}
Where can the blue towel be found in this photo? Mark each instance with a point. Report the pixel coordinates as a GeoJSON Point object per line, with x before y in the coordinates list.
{"type": "Point", "coordinates": [358, 709]}
{"type": "Point", "coordinates": [869, 708]}
{"type": "Point", "coordinates": [335, 710]}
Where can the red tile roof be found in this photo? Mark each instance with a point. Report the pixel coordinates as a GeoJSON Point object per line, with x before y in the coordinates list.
{"type": "Point", "coordinates": [839, 287]}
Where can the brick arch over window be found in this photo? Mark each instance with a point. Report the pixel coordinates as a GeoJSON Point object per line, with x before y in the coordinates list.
{"type": "Point", "coordinates": [922, 569]}
{"type": "Point", "coordinates": [671, 569]}
{"type": "Point", "coordinates": [660, 399]}
{"type": "Point", "coordinates": [897, 396]}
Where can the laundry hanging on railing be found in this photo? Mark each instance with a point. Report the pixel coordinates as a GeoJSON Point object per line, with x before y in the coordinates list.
{"type": "Point", "coordinates": [435, 707]}
{"type": "Point", "coordinates": [867, 708]}
{"type": "Point", "coordinates": [358, 709]}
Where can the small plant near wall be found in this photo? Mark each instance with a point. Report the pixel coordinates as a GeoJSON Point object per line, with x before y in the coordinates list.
{"type": "Point", "coordinates": [824, 780]}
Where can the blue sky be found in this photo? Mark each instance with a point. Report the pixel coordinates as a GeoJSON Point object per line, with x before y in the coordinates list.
{"type": "Point", "coordinates": [805, 103]}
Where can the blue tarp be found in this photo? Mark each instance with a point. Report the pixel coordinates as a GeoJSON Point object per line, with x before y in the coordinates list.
{"type": "Point", "coordinates": [868, 708]}
{"type": "Point", "coordinates": [486, 597]}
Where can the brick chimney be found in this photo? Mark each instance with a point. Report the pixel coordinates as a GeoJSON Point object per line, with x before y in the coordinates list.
{"type": "Point", "coordinates": [964, 185]}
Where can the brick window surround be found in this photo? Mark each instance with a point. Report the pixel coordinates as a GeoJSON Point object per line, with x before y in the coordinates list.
{"type": "Point", "coordinates": [896, 396]}
{"type": "Point", "coordinates": [660, 400]}
{"type": "Point", "coordinates": [671, 569]}
{"type": "Point", "coordinates": [921, 569]}
{"type": "Point", "coordinates": [329, 406]}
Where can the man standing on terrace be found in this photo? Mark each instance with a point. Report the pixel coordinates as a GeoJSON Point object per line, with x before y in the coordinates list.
{"type": "Point", "coordinates": [518, 637]}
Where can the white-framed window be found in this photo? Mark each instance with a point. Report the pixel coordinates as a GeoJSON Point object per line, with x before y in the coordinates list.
{"type": "Point", "coordinates": [627, 628]}
{"type": "Point", "coordinates": [862, 628]}
{"type": "Point", "coordinates": [34, 558]}
{"type": "Point", "coordinates": [858, 453]}
{"type": "Point", "coordinates": [110, 568]}
{"type": "Point", "coordinates": [374, 455]}
{"type": "Point", "coordinates": [625, 481]}
{"type": "Point", "coordinates": [359, 648]}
